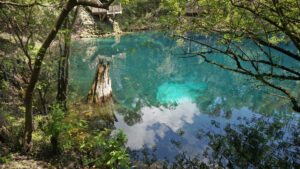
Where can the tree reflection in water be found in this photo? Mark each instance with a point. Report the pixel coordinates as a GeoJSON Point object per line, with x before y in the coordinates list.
{"type": "Point", "coordinates": [257, 142]}
{"type": "Point", "coordinates": [265, 136]}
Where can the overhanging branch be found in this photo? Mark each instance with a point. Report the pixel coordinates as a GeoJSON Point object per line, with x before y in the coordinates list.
{"type": "Point", "coordinates": [23, 5]}
{"type": "Point", "coordinates": [234, 56]}
{"type": "Point", "coordinates": [288, 53]}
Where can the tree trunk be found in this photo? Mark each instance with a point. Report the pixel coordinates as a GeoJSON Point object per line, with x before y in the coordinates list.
{"type": "Point", "coordinates": [64, 62]}
{"type": "Point", "coordinates": [63, 74]}
{"type": "Point", "coordinates": [63, 69]}
{"type": "Point", "coordinates": [55, 147]}
{"type": "Point", "coordinates": [27, 145]}
{"type": "Point", "coordinates": [101, 90]}
{"type": "Point", "coordinates": [43, 100]}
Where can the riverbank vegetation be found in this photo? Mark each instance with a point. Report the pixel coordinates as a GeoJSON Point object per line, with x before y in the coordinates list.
{"type": "Point", "coordinates": [31, 28]}
{"type": "Point", "coordinates": [39, 127]}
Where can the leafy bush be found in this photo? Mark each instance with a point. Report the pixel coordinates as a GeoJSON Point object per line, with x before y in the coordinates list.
{"type": "Point", "coordinates": [55, 124]}
{"type": "Point", "coordinates": [105, 151]}
{"type": "Point", "coordinates": [101, 149]}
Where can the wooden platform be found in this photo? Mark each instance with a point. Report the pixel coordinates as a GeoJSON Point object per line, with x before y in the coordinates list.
{"type": "Point", "coordinates": [113, 10]}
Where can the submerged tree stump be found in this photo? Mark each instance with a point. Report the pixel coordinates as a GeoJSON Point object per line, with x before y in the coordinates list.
{"type": "Point", "coordinates": [101, 90]}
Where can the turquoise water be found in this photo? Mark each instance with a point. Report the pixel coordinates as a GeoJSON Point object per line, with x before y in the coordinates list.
{"type": "Point", "coordinates": [183, 108]}
{"type": "Point", "coordinates": [178, 93]}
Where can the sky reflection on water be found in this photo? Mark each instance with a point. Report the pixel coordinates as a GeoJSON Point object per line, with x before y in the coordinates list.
{"type": "Point", "coordinates": [172, 105]}
{"type": "Point", "coordinates": [167, 119]}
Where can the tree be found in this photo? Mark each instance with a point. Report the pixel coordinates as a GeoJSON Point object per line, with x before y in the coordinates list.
{"type": "Point", "coordinates": [253, 36]}
{"type": "Point", "coordinates": [63, 66]}
{"type": "Point", "coordinates": [63, 71]}
{"type": "Point", "coordinates": [69, 5]}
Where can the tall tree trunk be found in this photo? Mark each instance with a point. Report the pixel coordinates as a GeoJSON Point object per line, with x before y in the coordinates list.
{"type": "Point", "coordinates": [27, 144]}
{"type": "Point", "coordinates": [63, 73]}
{"type": "Point", "coordinates": [63, 68]}
{"type": "Point", "coordinates": [63, 78]}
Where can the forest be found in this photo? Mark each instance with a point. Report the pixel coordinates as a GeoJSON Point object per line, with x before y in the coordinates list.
{"type": "Point", "coordinates": [149, 84]}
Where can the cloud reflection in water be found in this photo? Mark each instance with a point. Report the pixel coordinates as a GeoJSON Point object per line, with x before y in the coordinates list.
{"type": "Point", "coordinates": [169, 119]}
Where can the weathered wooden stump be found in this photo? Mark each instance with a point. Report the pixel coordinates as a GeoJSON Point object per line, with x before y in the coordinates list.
{"type": "Point", "coordinates": [101, 90]}
{"type": "Point", "coordinates": [100, 108]}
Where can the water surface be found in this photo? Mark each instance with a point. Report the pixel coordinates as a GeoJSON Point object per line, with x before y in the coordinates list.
{"type": "Point", "coordinates": [183, 108]}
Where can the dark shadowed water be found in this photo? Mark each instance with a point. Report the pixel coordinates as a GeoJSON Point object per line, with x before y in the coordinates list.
{"type": "Point", "coordinates": [182, 109]}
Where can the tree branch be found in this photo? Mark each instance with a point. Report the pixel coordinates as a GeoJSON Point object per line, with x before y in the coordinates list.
{"type": "Point", "coordinates": [288, 53]}
{"type": "Point", "coordinates": [23, 5]}
{"type": "Point", "coordinates": [228, 52]}
{"type": "Point", "coordinates": [293, 100]}
{"type": "Point", "coordinates": [284, 29]}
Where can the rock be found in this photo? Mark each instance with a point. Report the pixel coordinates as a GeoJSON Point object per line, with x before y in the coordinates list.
{"type": "Point", "coordinates": [85, 18]}
{"type": "Point", "coordinates": [116, 28]}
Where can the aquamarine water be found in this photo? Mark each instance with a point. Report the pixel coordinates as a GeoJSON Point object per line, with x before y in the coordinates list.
{"type": "Point", "coordinates": [178, 93]}
{"type": "Point", "coordinates": [184, 107]}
